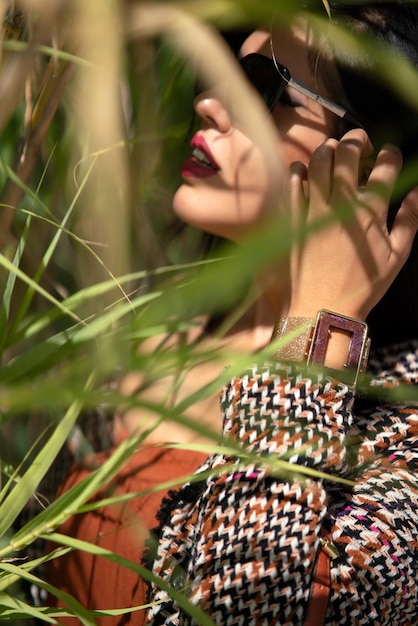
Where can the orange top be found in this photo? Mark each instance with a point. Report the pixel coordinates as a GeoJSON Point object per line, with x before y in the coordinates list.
{"type": "Point", "coordinates": [98, 583]}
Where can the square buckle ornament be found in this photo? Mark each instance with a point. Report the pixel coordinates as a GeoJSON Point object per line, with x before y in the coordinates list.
{"type": "Point", "coordinates": [359, 348]}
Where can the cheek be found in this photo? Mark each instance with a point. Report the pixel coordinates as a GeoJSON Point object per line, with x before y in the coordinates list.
{"type": "Point", "coordinates": [252, 180]}
{"type": "Point", "coordinates": [302, 134]}
{"type": "Point", "coordinates": [257, 184]}
{"type": "Point", "coordinates": [228, 206]}
{"type": "Point", "coordinates": [301, 146]}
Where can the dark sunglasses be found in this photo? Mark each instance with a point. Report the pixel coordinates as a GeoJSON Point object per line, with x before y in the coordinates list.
{"type": "Point", "coordinates": [270, 79]}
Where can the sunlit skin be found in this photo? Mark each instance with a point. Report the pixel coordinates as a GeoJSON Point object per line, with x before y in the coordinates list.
{"type": "Point", "coordinates": [235, 198]}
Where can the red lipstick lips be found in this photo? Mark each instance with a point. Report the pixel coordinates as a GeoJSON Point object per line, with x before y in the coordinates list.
{"type": "Point", "coordinates": [202, 163]}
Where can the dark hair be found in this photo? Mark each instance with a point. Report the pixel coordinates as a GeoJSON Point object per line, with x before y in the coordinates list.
{"type": "Point", "coordinates": [387, 118]}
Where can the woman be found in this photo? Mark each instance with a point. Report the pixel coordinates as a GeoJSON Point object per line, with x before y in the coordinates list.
{"type": "Point", "coordinates": [243, 545]}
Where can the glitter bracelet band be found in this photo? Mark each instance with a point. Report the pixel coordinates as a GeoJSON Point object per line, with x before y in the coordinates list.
{"type": "Point", "coordinates": [306, 340]}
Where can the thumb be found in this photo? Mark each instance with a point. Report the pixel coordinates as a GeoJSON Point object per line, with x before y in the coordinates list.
{"type": "Point", "coordinates": [405, 227]}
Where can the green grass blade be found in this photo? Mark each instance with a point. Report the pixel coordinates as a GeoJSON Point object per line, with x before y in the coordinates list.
{"type": "Point", "coordinates": [194, 611]}
{"type": "Point", "coordinates": [16, 500]}
{"type": "Point", "coordinates": [13, 608]}
{"type": "Point", "coordinates": [10, 283]}
{"type": "Point", "coordinates": [83, 614]}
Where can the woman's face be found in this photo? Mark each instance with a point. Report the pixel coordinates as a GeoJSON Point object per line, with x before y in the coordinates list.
{"type": "Point", "coordinates": [233, 194]}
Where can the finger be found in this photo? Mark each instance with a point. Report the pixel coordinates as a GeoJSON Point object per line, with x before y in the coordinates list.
{"type": "Point", "coordinates": [351, 151]}
{"type": "Point", "coordinates": [404, 228]}
{"type": "Point", "coordinates": [382, 179]}
{"type": "Point", "coordinates": [320, 177]}
{"type": "Point", "coordinates": [298, 201]}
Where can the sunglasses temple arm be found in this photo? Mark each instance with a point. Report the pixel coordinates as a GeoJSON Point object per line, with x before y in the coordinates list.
{"type": "Point", "coordinates": [327, 104]}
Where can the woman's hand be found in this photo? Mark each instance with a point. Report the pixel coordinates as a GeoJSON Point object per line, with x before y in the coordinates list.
{"type": "Point", "coordinates": [347, 259]}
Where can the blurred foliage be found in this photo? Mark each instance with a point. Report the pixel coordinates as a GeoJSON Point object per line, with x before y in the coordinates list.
{"type": "Point", "coordinates": [94, 122]}
{"type": "Point", "coordinates": [96, 116]}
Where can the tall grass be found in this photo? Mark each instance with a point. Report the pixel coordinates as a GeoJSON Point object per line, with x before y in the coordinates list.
{"type": "Point", "coordinates": [95, 115]}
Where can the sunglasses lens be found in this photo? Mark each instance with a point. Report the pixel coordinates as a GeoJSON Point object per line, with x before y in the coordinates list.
{"type": "Point", "coordinates": [264, 77]}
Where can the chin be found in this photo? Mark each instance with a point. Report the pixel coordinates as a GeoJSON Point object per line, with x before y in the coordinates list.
{"type": "Point", "coordinates": [201, 210]}
{"type": "Point", "coordinates": [178, 200]}
{"type": "Point", "coordinates": [183, 205]}
{"type": "Point", "coordinates": [193, 207]}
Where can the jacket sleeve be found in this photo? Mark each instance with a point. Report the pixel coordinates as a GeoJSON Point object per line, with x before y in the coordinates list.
{"type": "Point", "coordinates": [261, 527]}
{"type": "Point", "coordinates": [249, 545]}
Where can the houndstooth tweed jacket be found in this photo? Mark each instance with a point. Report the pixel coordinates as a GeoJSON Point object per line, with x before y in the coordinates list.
{"type": "Point", "coordinates": [241, 543]}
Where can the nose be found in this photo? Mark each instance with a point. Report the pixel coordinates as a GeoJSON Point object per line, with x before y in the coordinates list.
{"type": "Point", "coordinates": [212, 111]}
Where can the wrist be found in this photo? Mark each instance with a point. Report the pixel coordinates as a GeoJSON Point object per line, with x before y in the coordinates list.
{"type": "Point", "coordinates": [312, 311]}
